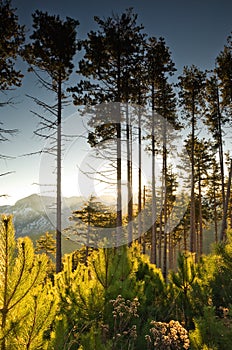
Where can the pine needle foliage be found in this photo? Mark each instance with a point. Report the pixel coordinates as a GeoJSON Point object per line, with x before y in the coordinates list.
{"type": "Point", "coordinates": [183, 281]}
{"type": "Point", "coordinates": [26, 302]}
{"type": "Point", "coordinates": [211, 332]}
{"type": "Point", "coordinates": [11, 40]}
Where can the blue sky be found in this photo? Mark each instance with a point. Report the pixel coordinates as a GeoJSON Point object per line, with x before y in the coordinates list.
{"type": "Point", "coordinates": [195, 31]}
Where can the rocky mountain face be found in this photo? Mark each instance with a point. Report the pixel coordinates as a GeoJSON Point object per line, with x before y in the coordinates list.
{"type": "Point", "coordinates": [35, 214]}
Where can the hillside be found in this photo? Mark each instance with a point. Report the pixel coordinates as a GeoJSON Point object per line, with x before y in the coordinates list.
{"type": "Point", "coordinates": [35, 214]}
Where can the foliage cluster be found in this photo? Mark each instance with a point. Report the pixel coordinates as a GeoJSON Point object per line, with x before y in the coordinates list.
{"type": "Point", "coordinates": [115, 300]}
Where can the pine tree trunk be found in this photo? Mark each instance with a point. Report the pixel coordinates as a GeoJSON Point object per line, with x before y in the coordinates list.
{"type": "Point", "coordinates": [129, 178]}
{"type": "Point", "coordinates": [88, 239]}
{"type": "Point", "coordinates": [119, 180]}
{"type": "Point", "coordinates": [143, 220]}
{"type": "Point", "coordinates": [153, 184]}
{"type": "Point", "coordinates": [171, 252]}
{"type": "Point", "coordinates": [139, 177]}
{"type": "Point", "coordinates": [192, 208]}
{"type": "Point", "coordinates": [119, 154]}
{"type": "Point", "coordinates": [165, 199]}
{"type": "Point", "coordinates": [221, 158]}
{"type": "Point", "coordinates": [161, 220]}
{"type": "Point", "coordinates": [58, 194]}
{"type": "Point", "coordinates": [200, 216]}
{"type": "Point", "coordinates": [185, 237]}
{"type": "Point", "coordinates": [224, 219]}
{"type": "Point", "coordinates": [230, 211]}
{"type": "Point", "coordinates": [215, 213]}
{"type": "Point", "coordinates": [153, 215]}
{"type": "Point", "coordinates": [5, 286]}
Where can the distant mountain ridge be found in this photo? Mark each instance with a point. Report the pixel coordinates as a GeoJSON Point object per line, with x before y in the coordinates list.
{"type": "Point", "coordinates": [35, 214]}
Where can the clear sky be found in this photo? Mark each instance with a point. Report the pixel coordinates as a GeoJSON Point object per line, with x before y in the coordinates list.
{"type": "Point", "coordinates": [195, 31]}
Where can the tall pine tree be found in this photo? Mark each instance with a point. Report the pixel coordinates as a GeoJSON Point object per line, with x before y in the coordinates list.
{"type": "Point", "coordinates": [192, 87]}
{"type": "Point", "coordinates": [51, 51]}
{"type": "Point", "coordinates": [109, 66]}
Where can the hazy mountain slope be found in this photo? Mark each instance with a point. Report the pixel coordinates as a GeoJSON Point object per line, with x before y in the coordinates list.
{"type": "Point", "coordinates": [35, 214]}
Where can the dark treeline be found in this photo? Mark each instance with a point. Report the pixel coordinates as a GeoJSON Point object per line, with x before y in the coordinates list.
{"type": "Point", "coordinates": [112, 297]}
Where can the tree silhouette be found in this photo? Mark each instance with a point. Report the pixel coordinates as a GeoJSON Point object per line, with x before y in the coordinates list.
{"type": "Point", "coordinates": [51, 52]}
{"type": "Point", "coordinates": [109, 67]}
{"type": "Point", "coordinates": [46, 244]}
{"type": "Point", "coordinates": [89, 223]}
{"type": "Point", "coordinates": [215, 120]}
{"type": "Point", "coordinates": [158, 65]}
{"type": "Point", "coordinates": [11, 40]}
{"type": "Point", "coordinates": [191, 94]}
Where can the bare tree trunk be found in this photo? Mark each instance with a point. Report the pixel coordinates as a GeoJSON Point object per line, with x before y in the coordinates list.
{"type": "Point", "coordinates": [185, 237]}
{"type": "Point", "coordinates": [224, 219]}
{"type": "Point", "coordinates": [171, 247]}
{"type": "Point", "coordinates": [215, 214]}
{"type": "Point", "coordinates": [143, 220]}
{"type": "Point", "coordinates": [129, 178]}
{"type": "Point", "coordinates": [200, 217]}
{"type": "Point", "coordinates": [4, 309]}
{"type": "Point", "coordinates": [230, 211]}
{"type": "Point", "coordinates": [87, 241]}
{"type": "Point", "coordinates": [153, 184]}
{"type": "Point", "coordinates": [192, 208]}
{"type": "Point", "coordinates": [140, 177]}
{"type": "Point", "coordinates": [221, 160]}
{"type": "Point", "coordinates": [170, 252]}
{"type": "Point", "coordinates": [119, 179]}
{"type": "Point", "coordinates": [58, 194]}
{"type": "Point", "coordinates": [160, 238]}
{"type": "Point", "coordinates": [153, 215]}
{"type": "Point", "coordinates": [165, 199]}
